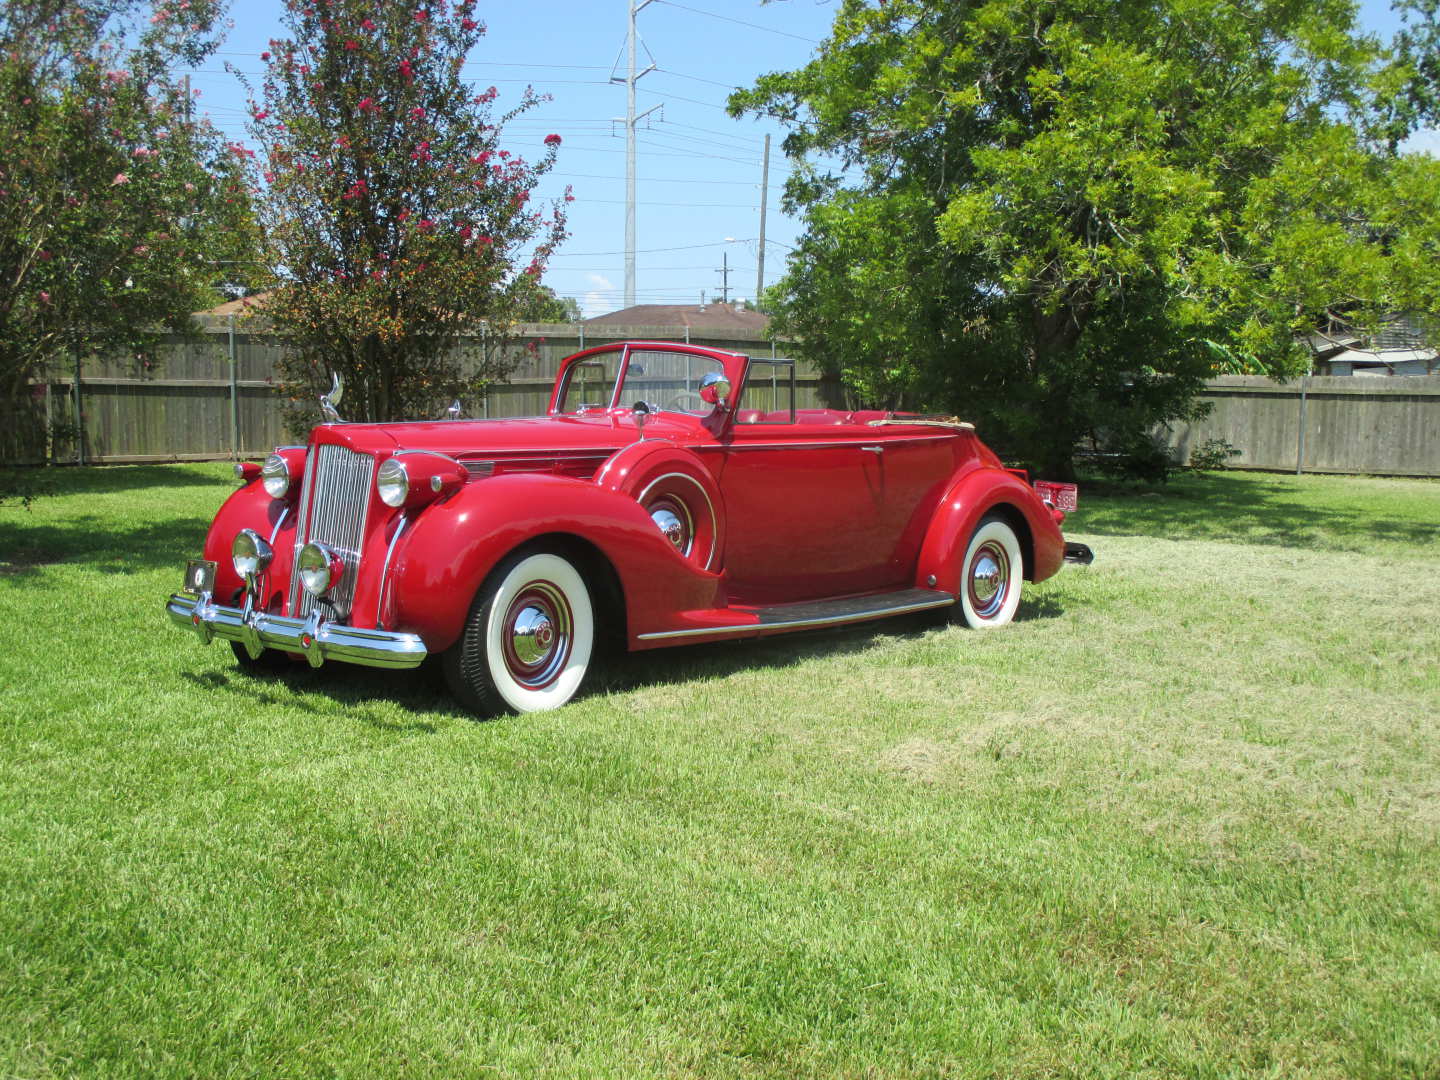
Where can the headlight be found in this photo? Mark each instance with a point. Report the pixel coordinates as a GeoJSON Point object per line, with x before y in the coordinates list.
{"type": "Point", "coordinates": [319, 568]}
{"type": "Point", "coordinates": [275, 475]}
{"type": "Point", "coordinates": [393, 483]}
{"type": "Point", "coordinates": [250, 554]}
{"type": "Point", "coordinates": [416, 478]}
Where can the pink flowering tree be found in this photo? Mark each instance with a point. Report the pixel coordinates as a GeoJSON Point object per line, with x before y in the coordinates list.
{"type": "Point", "coordinates": [120, 211]}
{"type": "Point", "coordinates": [399, 225]}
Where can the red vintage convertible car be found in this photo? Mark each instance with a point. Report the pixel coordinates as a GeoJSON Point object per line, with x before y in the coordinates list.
{"type": "Point", "coordinates": [674, 494]}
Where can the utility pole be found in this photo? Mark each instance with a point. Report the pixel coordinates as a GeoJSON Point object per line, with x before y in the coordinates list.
{"type": "Point", "coordinates": [764, 198]}
{"type": "Point", "coordinates": [631, 78]}
{"type": "Point", "coordinates": [724, 273]}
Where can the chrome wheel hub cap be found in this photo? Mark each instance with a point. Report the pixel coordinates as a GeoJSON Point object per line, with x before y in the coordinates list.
{"type": "Point", "coordinates": [669, 524]}
{"type": "Point", "coordinates": [989, 580]}
{"type": "Point", "coordinates": [532, 635]}
{"type": "Point", "coordinates": [672, 518]}
{"type": "Point", "coordinates": [985, 578]}
{"type": "Point", "coordinates": [536, 635]}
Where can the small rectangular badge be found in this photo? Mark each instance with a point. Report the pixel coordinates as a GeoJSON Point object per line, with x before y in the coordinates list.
{"type": "Point", "coordinates": [199, 576]}
{"type": "Point", "coordinates": [1064, 497]}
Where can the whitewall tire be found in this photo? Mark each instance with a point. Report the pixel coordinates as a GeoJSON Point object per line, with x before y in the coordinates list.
{"type": "Point", "coordinates": [990, 577]}
{"type": "Point", "coordinates": [528, 640]}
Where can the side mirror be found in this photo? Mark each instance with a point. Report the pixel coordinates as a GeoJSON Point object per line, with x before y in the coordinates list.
{"type": "Point", "coordinates": [715, 389]}
{"type": "Point", "coordinates": [641, 412]}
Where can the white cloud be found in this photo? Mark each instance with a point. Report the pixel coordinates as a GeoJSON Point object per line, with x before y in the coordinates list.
{"type": "Point", "coordinates": [595, 302]}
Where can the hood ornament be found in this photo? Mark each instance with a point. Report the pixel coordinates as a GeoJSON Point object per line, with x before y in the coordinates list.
{"type": "Point", "coordinates": [330, 400]}
{"type": "Point", "coordinates": [453, 412]}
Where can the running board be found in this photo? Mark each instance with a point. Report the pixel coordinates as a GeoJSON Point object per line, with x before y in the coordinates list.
{"type": "Point", "coordinates": [1080, 554]}
{"type": "Point", "coordinates": [816, 613]}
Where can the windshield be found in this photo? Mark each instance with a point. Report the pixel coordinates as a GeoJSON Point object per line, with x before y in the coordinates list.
{"type": "Point", "coordinates": [590, 383]}
{"type": "Point", "coordinates": [658, 377]}
{"type": "Point", "coordinates": [670, 380]}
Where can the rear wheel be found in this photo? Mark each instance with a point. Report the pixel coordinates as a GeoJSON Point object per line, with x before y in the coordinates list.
{"type": "Point", "coordinates": [527, 641]}
{"type": "Point", "coordinates": [990, 577]}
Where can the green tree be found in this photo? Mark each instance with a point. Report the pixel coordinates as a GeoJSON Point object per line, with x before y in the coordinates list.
{"type": "Point", "coordinates": [548, 307]}
{"type": "Point", "coordinates": [1059, 216]}
{"type": "Point", "coordinates": [119, 212]}
{"type": "Point", "coordinates": [397, 221]}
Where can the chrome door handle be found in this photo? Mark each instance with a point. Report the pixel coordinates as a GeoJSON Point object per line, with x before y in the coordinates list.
{"type": "Point", "coordinates": [873, 449]}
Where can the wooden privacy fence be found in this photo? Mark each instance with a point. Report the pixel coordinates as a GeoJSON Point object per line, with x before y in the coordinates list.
{"type": "Point", "coordinates": [216, 398]}
{"type": "Point", "coordinates": [1332, 423]}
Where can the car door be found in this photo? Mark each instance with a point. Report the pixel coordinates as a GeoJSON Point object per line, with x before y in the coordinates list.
{"type": "Point", "coordinates": [804, 496]}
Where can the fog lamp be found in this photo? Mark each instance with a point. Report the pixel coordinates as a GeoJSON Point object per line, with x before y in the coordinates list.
{"type": "Point", "coordinates": [250, 554]}
{"type": "Point", "coordinates": [319, 568]}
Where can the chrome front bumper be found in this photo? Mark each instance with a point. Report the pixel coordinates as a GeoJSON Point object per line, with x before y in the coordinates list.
{"type": "Point", "coordinates": [313, 637]}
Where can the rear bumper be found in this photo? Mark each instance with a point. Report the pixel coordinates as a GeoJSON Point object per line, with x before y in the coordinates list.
{"type": "Point", "coordinates": [313, 638]}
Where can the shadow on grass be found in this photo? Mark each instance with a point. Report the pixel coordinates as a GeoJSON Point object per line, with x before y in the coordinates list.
{"type": "Point", "coordinates": [423, 689]}
{"type": "Point", "coordinates": [356, 688]}
{"type": "Point", "coordinates": [97, 542]}
{"type": "Point", "coordinates": [1254, 508]}
{"type": "Point", "coordinates": [61, 480]}
{"type": "Point", "coordinates": [681, 664]}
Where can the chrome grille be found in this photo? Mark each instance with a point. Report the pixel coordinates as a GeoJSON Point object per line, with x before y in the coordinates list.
{"type": "Point", "coordinates": [334, 504]}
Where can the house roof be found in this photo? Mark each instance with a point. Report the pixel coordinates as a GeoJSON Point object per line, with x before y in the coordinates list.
{"type": "Point", "coordinates": [238, 307]}
{"type": "Point", "coordinates": [709, 318]}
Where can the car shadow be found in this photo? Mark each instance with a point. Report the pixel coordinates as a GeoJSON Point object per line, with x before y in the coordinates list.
{"type": "Point", "coordinates": [684, 663]}
{"type": "Point", "coordinates": [358, 689]}
{"type": "Point", "coordinates": [422, 690]}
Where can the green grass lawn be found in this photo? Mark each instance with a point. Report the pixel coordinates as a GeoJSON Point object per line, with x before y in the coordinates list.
{"type": "Point", "coordinates": [1181, 819]}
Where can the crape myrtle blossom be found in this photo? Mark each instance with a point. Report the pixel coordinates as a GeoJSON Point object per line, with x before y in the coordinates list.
{"type": "Point", "coordinates": [395, 206]}
{"type": "Point", "coordinates": [115, 212]}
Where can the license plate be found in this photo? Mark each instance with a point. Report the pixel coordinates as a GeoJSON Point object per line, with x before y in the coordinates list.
{"type": "Point", "coordinates": [199, 576]}
{"type": "Point", "coordinates": [1064, 497]}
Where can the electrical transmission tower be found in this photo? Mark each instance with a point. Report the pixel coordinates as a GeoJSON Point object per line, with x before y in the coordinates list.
{"type": "Point", "coordinates": [631, 119]}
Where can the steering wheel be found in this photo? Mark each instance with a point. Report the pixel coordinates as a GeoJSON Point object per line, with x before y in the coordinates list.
{"type": "Point", "coordinates": [681, 402]}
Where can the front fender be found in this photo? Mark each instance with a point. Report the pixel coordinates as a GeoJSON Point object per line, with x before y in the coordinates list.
{"type": "Point", "coordinates": [251, 507]}
{"type": "Point", "coordinates": [974, 494]}
{"type": "Point", "coordinates": [453, 545]}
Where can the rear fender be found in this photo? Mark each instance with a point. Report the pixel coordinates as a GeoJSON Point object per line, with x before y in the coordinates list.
{"type": "Point", "coordinates": [454, 544]}
{"type": "Point", "coordinates": [974, 494]}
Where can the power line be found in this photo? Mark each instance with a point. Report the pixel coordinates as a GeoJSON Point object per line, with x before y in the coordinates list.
{"type": "Point", "coordinates": [738, 22]}
{"type": "Point", "coordinates": [641, 251]}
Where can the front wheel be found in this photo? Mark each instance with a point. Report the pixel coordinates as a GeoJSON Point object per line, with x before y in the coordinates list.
{"type": "Point", "coordinates": [528, 639]}
{"type": "Point", "coordinates": [990, 577]}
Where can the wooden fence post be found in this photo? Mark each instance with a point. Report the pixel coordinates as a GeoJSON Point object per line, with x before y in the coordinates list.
{"type": "Point", "coordinates": [234, 396]}
{"type": "Point", "coordinates": [79, 412]}
{"type": "Point", "coordinates": [1300, 439]}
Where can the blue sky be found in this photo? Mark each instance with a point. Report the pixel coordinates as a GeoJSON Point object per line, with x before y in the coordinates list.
{"type": "Point", "coordinates": [698, 170]}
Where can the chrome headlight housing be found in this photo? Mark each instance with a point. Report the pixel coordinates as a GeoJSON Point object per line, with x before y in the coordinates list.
{"type": "Point", "coordinates": [250, 554]}
{"type": "Point", "coordinates": [319, 567]}
{"type": "Point", "coordinates": [392, 483]}
{"type": "Point", "coordinates": [275, 475]}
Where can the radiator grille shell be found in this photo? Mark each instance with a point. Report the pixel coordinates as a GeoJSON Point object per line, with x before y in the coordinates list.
{"type": "Point", "coordinates": [334, 510]}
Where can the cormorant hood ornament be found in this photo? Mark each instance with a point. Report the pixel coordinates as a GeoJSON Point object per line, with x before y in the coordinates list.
{"type": "Point", "coordinates": [332, 399]}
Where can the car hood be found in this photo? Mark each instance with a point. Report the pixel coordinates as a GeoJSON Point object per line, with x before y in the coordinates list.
{"type": "Point", "coordinates": [605, 431]}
